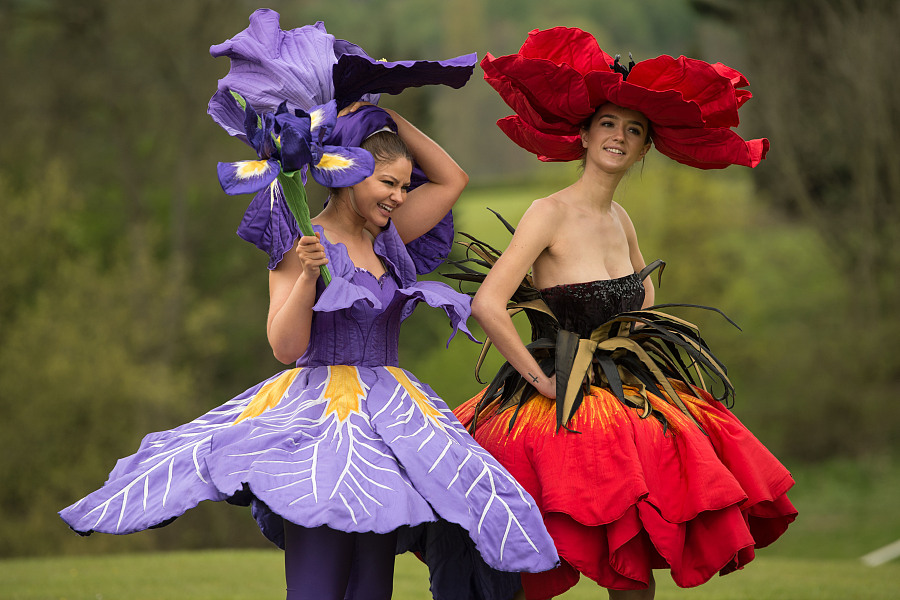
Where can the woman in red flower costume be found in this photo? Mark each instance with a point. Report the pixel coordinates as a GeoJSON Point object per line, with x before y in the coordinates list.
{"type": "Point", "coordinates": [605, 417]}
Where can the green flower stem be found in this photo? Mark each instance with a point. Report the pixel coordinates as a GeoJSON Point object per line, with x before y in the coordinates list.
{"type": "Point", "coordinates": [295, 196]}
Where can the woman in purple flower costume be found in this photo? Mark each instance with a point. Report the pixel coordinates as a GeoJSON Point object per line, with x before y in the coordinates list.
{"type": "Point", "coordinates": [346, 458]}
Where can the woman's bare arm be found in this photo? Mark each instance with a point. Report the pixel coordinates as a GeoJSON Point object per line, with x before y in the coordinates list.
{"type": "Point", "coordinates": [533, 235]}
{"type": "Point", "coordinates": [292, 294]}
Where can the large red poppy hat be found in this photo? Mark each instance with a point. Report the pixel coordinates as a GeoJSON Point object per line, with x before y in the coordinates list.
{"type": "Point", "coordinates": [560, 77]}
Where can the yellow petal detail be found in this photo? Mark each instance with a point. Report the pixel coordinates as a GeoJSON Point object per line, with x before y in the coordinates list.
{"type": "Point", "coordinates": [418, 396]}
{"type": "Point", "coordinates": [344, 391]}
{"type": "Point", "coordinates": [251, 168]}
{"type": "Point", "coordinates": [332, 162]}
{"type": "Point", "coordinates": [269, 395]}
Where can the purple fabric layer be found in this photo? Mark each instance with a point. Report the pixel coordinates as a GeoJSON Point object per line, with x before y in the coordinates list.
{"type": "Point", "coordinates": [269, 65]}
{"type": "Point", "coordinates": [353, 448]}
{"type": "Point", "coordinates": [269, 225]}
{"type": "Point", "coordinates": [432, 248]}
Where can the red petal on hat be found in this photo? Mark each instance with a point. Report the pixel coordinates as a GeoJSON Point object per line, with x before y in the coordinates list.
{"type": "Point", "coordinates": [665, 107]}
{"type": "Point", "coordinates": [547, 147]}
{"type": "Point", "coordinates": [510, 94]}
{"type": "Point", "coordinates": [561, 76]}
{"type": "Point", "coordinates": [519, 102]}
{"type": "Point", "coordinates": [709, 148]}
{"type": "Point", "coordinates": [554, 93]}
{"type": "Point", "coordinates": [737, 81]}
{"type": "Point", "coordinates": [697, 81]}
{"type": "Point", "coordinates": [567, 45]}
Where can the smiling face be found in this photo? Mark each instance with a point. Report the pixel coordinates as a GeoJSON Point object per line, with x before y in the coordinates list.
{"type": "Point", "coordinates": [379, 194]}
{"type": "Point", "coordinates": [616, 138]}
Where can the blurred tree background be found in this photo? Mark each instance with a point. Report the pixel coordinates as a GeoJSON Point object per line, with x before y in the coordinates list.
{"type": "Point", "coordinates": [128, 305]}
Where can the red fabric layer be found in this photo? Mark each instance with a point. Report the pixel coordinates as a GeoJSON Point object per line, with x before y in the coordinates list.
{"type": "Point", "coordinates": [622, 496]}
{"type": "Point", "coordinates": [560, 76]}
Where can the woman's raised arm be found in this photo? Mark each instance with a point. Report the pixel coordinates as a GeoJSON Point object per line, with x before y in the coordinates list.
{"type": "Point", "coordinates": [426, 205]}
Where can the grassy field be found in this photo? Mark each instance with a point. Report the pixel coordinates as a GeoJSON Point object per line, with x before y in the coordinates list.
{"type": "Point", "coordinates": [847, 508]}
{"type": "Point", "coordinates": [240, 575]}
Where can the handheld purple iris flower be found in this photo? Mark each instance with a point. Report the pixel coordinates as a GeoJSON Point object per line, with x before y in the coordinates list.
{"type": "Point", "coordinates": [290, 141]}
{"type": "Point", "coordinates": [287, 144]}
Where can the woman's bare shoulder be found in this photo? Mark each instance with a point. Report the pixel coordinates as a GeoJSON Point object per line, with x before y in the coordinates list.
{"type": "Point", "coordinates": [550, 207]}
{"type": "Point", "coordinates": [622, 214]}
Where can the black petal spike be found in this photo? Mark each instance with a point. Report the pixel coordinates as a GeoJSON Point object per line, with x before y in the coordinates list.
{"type": "Point", "coordinates": [619, 68]}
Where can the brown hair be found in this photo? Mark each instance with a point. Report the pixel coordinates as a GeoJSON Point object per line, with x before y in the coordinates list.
{"type": "Point", "coordinates": [386, 146]}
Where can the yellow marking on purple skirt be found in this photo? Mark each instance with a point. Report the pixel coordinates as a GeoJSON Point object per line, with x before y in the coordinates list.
{"type": "Point", "coordinates": [344, 391]}
{"type": "Point", "coordinates": [417, 395]}
{"type": "Point", "coordinates": [269, 395]}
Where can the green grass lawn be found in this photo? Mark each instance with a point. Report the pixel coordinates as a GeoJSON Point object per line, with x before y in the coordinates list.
{"type": "Point", "coordinates": [847, 508]}
{"type": "Point", "coordinates": [257, 574]}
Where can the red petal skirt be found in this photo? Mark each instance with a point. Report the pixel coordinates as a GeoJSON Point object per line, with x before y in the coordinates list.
{"type": "Point", "coordinates": [625, 495]}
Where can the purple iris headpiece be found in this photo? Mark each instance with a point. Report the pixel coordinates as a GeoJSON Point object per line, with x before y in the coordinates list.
{"type": "Point", "coordinates": [308, 67]}
{"type": "Point", "coordinates": [281, 97]}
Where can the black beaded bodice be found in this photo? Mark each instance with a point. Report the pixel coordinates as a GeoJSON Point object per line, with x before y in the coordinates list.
{"type": "Point", "coordinates": [582, 307]}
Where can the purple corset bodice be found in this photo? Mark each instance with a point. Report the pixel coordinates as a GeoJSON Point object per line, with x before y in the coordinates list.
{"type": "Point", "coordinates": [356, 319]}
{"type": "Point", "coordinates": [360, 335]}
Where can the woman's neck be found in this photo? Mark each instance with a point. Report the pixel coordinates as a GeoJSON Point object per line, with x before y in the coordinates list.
{"type": "Point", "coordinates": [340, 219]}
{"type": "Point", "coordinates": [597, 187]}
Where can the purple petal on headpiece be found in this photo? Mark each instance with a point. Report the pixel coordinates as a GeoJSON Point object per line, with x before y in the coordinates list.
{"type": "Point", "coordinates": [247, 176]}
{"type": "Point", "coordinates": [295, 152]}
{"type": "Point", "coordinates": [269, 65]}
{"type": "Point", "coordinates": [358, 75]}
{"type": "Point", "coordinates": [269, 225]}
{"type": "Point", "coordinates": [342, 47]}
{"type": "Point", "coordinates": [225, 110]}
{"type": "Point", "coordinates": [342, 167]}
{"type": "Point", "coordinates": [321, 121]}
{"type": "Point", "coordinates": [352, 128]}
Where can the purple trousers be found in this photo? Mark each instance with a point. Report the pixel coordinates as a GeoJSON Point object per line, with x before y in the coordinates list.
{"type": "Point", "coordinates": [327, 564]}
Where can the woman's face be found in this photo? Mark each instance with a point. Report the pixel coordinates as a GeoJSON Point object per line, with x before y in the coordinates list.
{"type": "Point", "coordinates": [616, 138]}
{"type": "Point", "coordinates": [383, 191]}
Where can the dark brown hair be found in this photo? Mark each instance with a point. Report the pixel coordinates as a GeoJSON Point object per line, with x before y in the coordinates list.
{"type": "Point", "coordinates": [386, 146]}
